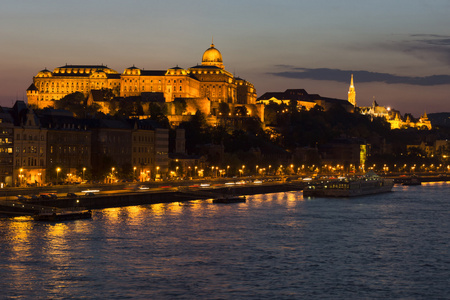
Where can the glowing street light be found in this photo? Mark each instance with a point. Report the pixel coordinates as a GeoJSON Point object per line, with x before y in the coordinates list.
{"type": "Point", "coordinates": [112, 174]}
{"type": "Point", "coordinates": [84, 170]}
{"type": "Point", "coordinates": [57, 174]}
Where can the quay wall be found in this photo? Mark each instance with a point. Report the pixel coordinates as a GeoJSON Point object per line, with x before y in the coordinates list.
{"type": "Point", "coordinates": [176, 195]}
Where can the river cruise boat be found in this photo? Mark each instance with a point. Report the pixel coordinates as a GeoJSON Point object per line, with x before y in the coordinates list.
{"type": "Point", "coordinates": [368, 184]}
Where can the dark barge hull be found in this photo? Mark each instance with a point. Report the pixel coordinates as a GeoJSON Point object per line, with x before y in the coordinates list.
{"type": "Point", "coordinates": [64, 216]}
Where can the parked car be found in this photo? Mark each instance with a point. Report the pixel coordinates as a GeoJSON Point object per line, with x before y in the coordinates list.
{"type": "Point", "coordinates": [89, 194]}
{"type": "Point", "coordinates": [53, 196]}
{"type": "Point", "coordinates": [71, 195]}
{"type": "Point", "coordinates": [34, 197]}
{"type": "Point", "coordinates": [21, 197]}
{"type": "Point", "coordinates": [44, 196]}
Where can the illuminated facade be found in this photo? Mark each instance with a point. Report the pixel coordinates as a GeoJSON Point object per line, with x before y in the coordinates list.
{"type": "Point", "coordinates": [391, 116]}
{"type": "Point", "coordinates": [395, 119]}
{"type": "Point", "coordinates": [304, 100]}
{"type": "Point", "coordinates": [352, 93]}
{"type": "Point", "coordinates": [209, 81]}
{"type": "Point", "coordinates": [30, 151]}
{"type": "Point", "coordinates": [6, 149]}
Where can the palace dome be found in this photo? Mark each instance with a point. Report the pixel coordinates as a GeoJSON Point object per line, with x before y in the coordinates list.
{"type": "Point", "coordinates": [212, 57]}
{"type": "Point", "coordinates": [44, 73]}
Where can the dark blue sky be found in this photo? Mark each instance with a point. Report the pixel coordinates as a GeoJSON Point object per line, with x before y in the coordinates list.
{"type": "Point", "coordinates": [398, 51]}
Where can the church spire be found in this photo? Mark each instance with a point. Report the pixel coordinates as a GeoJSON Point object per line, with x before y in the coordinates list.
{"type": "Point", "coordinates": [352, 93]}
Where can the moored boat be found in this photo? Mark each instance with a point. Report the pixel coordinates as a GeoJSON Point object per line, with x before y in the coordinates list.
{"type": "Point", "coordinates": [63, 216]}
{"type": "Point", "coordinates": [368, 184]}
{"type": "Point", "coordinates": [412, 181]}
{"type": "Point", "coordinates": [234, 199]}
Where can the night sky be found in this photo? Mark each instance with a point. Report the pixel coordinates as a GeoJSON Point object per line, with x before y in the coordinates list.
{"type": "Point", "coordinates": [398, 50]}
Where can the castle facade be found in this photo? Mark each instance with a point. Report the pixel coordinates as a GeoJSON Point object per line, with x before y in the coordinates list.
{"type": "Point", "coordinates": [208, 81]}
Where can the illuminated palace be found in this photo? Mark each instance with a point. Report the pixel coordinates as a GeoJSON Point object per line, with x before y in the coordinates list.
{"type": "Point", "coordinates": [202, 86]}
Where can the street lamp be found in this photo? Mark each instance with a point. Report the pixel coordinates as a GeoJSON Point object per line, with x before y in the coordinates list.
{"type": "Point", "coordinates": [134, 173]}
{"type": "Point", "coordinates": [40, 178]}
{"type": "Point", "coordinates": [227, 170]}
{"type": "Point", "coordinates": [57, 174]}
{"type": "Point", "coordinates": [84, 170]}
{"type": "Point", "coordinates": [112, 174]}
{"type": "Point", "coordinates": [20, 177]}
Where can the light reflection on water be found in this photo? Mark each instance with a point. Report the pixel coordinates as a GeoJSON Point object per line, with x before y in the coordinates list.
{"type": "Point", "coordinates": [274, 246]}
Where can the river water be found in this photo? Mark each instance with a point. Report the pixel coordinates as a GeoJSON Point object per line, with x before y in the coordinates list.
{"type": "Point", "coordinates": [274, 246]}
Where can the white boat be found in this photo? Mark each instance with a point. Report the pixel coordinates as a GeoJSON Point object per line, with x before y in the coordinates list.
{"type": "Point", "coordinates": [368, 184]}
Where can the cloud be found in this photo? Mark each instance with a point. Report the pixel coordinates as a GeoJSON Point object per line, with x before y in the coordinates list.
{"type": "Point", "coordinates": [361, 76]}
{"type": "Point", "coordinates": [432, 39]}
{"type": "Point", "coordinates": [426, 47]}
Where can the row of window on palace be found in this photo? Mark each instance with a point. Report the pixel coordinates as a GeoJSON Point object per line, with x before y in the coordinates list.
{"type": "Point", "coordinates": [45, 85]}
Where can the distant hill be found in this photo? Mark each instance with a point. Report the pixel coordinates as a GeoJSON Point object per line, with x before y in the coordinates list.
{"type": "Point", "coordinates": [440, 119]}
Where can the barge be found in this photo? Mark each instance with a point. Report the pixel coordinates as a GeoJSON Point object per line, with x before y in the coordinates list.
{"type": "Point", "coordinates": [63, 216]}
{"type": "Point", "coordinates": [234, 199]}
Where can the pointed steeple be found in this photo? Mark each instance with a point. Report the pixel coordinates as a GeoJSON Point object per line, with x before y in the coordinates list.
{"type": "Point", "coordinates": [352, 93]}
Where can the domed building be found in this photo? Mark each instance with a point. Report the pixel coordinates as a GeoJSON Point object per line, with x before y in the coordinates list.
{"type": "Point", "coordinates": [203, 86]}
{"type": "Point", "coordinates": [212, 57]}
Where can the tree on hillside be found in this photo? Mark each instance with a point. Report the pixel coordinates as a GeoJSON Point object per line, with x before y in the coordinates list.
{"type": "Point", "coordinates": [76, 103]}
{"type": "Point", "coordinates": [157, 113]}
{"type": "Point", "coordinates": [180, 106]}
